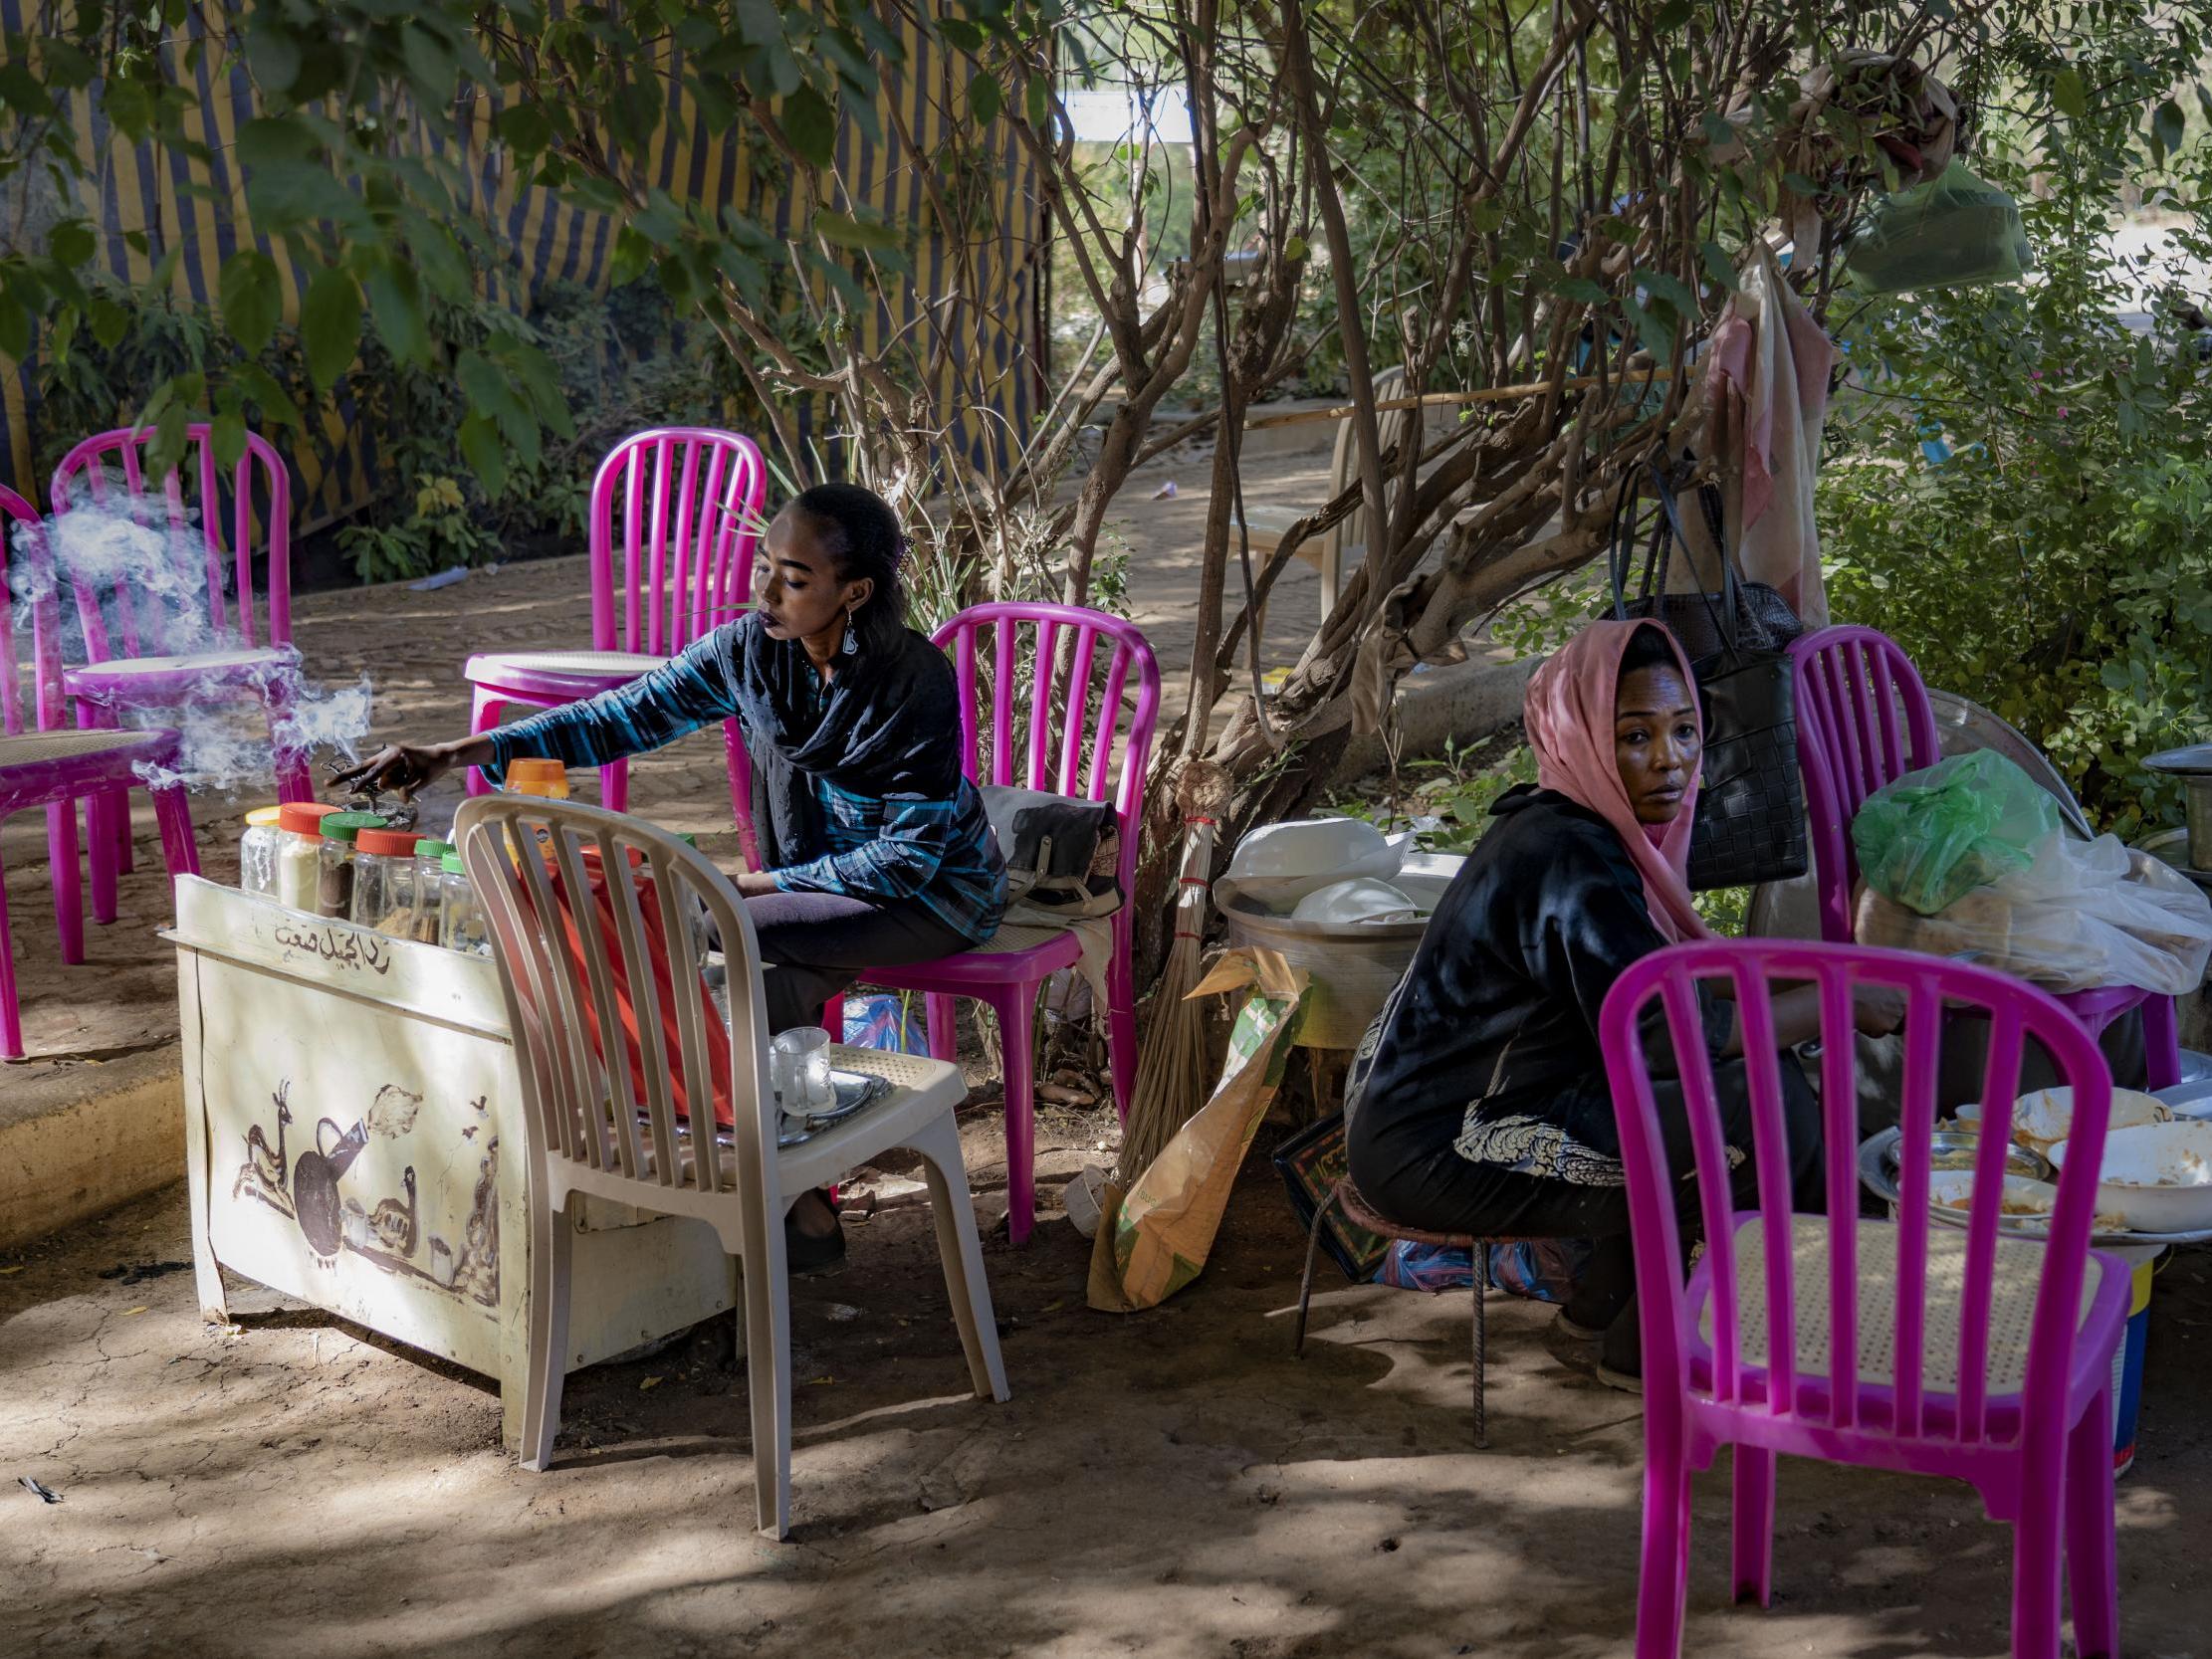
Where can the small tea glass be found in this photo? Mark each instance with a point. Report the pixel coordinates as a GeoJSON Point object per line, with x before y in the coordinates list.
{"type": "Point", "coordinates": [798, 1071]}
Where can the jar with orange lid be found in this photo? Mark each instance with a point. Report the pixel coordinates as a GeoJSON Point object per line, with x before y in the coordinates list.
{"type": "Point", "coordinates": [299, 854]}
{"type": "Point", "coordinates": [385, 883]}
{"type": "Point", "coordinates": [531, 775]}
{"type": "Point", "coordinates": [256, 850]}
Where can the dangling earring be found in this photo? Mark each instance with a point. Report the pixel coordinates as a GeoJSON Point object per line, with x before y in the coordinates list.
{"type": "Point", "coordinates": [853, 639]}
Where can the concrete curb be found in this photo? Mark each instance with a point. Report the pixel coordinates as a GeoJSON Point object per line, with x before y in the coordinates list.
{"type": "Point", "coordinates": [81, 1140]}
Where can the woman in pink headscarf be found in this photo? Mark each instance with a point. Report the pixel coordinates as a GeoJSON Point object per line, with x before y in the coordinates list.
{"type": "Point", "coordinates": [1477, 1102]}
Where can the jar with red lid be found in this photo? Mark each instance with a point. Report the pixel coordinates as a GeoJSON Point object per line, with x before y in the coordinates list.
{"type": "Point", "coordinates": [385, 895]}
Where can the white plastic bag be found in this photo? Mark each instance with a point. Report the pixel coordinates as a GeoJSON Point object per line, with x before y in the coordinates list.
{"type": "Point", "coordinates": [2083, 914]}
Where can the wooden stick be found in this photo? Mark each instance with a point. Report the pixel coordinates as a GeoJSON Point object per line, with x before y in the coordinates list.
{"type": "Point", "coordinates": [1490, 395]}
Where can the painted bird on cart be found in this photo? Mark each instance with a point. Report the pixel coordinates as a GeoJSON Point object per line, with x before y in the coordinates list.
{"type": "Point", "coordinates": [264, 1171]}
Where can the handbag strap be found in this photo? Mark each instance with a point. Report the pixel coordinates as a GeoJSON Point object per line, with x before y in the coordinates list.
{"type": "Point", "coordinates": [1726, 618]}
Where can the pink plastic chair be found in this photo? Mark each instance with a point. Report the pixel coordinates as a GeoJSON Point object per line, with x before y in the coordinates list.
{"type": "Point", "coordinates": [1978, 1357]}
{"type": "Point", "coordinates": [47, 767]}
{"type": "Point", "coordinates": [137, 659]}
{"type": "Point", "coordinates": [1076, 744]}
{"type": "Point", "coordinates": [684, 503]}
{"type": "Point", "coordinates": [1863, 721]}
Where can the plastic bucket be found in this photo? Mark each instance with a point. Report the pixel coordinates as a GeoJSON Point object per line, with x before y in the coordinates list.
{"type": "Point", "coordinates": [2127, 1359]}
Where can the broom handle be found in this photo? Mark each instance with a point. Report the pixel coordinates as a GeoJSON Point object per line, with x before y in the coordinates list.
{"type": "Point", "coordinates": [1198, 856]}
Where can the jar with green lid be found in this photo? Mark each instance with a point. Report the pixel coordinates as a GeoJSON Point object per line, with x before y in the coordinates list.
{"type": "Point", "coordinates": [333, 893]}
{"type": "Point", "coordinates": [461, 925]}
{"type": "Point", "coordinates": [429, 880]}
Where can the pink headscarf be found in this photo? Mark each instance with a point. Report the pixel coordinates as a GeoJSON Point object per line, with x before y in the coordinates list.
{"type": "Point", "coordinates": [1568, 714]}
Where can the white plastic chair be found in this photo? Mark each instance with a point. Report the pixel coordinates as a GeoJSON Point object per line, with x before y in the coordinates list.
{"type": "Point", "coordinates": [586, 1134]}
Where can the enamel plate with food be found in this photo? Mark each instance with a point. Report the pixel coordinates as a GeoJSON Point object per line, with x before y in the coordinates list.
{"type": "Point", "coordinates": [2043, 1116]}
{"type": "Point", "coordinates": [2157, 1178]}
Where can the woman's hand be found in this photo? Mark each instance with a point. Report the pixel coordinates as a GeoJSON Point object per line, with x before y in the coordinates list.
{"type": "Point", "coordinates": [407, 767]}
{"type": "Point", "coordinates": [1877, 1011]}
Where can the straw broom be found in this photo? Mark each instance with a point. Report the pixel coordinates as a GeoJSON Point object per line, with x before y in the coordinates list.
{"type": "Point", "coordinates": [1171, 1069]}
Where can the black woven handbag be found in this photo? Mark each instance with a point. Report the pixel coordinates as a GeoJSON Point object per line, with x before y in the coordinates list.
{"type": "Point", "coordinates": [1750, 824]}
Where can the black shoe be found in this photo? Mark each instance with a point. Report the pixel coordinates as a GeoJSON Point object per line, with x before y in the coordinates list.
{"type": "Point", "coordinates": [805, 1252]}
{"type": "Point", "coordinates": [1620, 1353]}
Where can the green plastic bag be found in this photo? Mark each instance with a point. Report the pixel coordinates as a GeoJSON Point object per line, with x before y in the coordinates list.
{"type": "Point", "coordinates": [1956, 232]}
{"type": "Point", "coordinates": [1936, 835]}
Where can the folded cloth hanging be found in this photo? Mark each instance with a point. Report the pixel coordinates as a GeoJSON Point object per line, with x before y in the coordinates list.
{"type": "Point", "coordinates": [1766, 397]}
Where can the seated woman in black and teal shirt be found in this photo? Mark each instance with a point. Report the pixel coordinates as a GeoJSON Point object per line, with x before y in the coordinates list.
{"type": "Point", "coordinates": [876, 850]}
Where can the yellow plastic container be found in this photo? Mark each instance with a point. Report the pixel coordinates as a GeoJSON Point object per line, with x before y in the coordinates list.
{"type": "Point", "coordinates": [529, 775]}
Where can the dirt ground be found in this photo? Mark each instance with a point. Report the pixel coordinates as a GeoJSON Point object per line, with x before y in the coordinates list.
{"type": "Point", "coordinates": [1171, 1484]}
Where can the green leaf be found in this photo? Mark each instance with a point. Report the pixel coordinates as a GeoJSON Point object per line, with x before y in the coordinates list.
{"type": "Point", "coordinates": [15, 328]}
{"type": "Point", "coordinates": [429, 64]}
{"type": "Point", "coordinates": [1486, 215]}
{"type": "Point", "coordinates": [71, 242]}
{"type": "Point", "coordinates": [1670, 290]}
{"type": "Point", "coordinates": [2167, 124]}
{"type": "Point", "coordinates": [270, 138]}
{"type": "Point", "coordinates": [480, 448]}
{"type": "Point", "coordinates": [271, 398]}
{"type": "Point", "coordinates": [331, 324]}
{"type": "Point", "coordinates": [1718, 266]}
{"type": "Point", "coordinates": [252, 302]}
{"type": "Point", "coordinates": [2067, 94]}
{"type": "Point", "coordinates": [847, 232]}
{"type": "Point", "coordinates": [1297, 249]}
{"type": "Point", "coordinates": [271, 51]}
{"type": "Point", "coordinates": [524, 128]}
{"type": "Point", "coordinates": [961, 33]}
{"type": "Point", "coordinates": [284, 195]}
{"type": "Point", "coordinates": [109, 321]}
{"type": "Point", "coordinates": [1037, 97]}
{"type": "Point", "coordinates": [1583, 288]}
{"type": "Point", "coordinates": [984, 96]}
{"type": "Point", "coordinates": [227, 437]}
{"type": "Point", "coordinates": [395, 298]}
{"type": "Point", "coordinates": [811, 125]}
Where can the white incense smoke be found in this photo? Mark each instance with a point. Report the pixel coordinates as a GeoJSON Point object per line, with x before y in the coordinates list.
{"type": "Point", "coordinates": [127, 557]}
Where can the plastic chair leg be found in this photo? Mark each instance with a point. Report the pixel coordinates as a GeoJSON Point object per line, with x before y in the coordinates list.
{"type": "Point", "coordinates": [1120, 1024]}
{"type": "Point", "coordinates": [614, 786]}
{"type": "Point", "coordinates": [11, 1022]}
{"type": "Point", "coordinates": [484, 711]}
{"type": "Point", "coordinates": [2035, 1570]}
{"type": "Point", "coordinates": [1016, 1006]}
{"type": "Point", "coordinates": [1753, 1525]}
{"type": "Point", "coordinates": [2091, 1554]}
{"type": "Point", "coordinates": [295, 782]}
{"type": "Point", "coordinates": [1663, 1583]}
{"type": "Point", "coordinates": [953, 1208]}
{"type": "Point", "coordinates": [127, 856]}
{"type": "Point", "coordinates": [549, 1239]}
{"type": "Point", "coordinates": [100, 851]}
{"type": "Point", "coordinates": [68, 886]}
{"type": "Point", "coordinates": [180, 853]}
{"type": "Point", "coordinates": [942, 1012]}
{"type": "Point", "coordinates": [2162, 1042]}
{"type": "Point", "coordinates": [767, 1369]}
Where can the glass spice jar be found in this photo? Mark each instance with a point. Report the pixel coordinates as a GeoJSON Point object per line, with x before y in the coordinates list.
{"type": "Point", "coordinates": [299, 871]}
{"type": "Point", "coordinates": [461, 925]}
{"type": "Point", "coordinates": [257, 851]}
{"type": "Point", "coordinates": [430, 859]}
{"type": "Point", "coordinates": [384, 881]}
{"type": "Point", "coordinates": [334, 893]}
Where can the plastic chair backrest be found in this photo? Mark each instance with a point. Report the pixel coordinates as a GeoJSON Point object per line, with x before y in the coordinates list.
{"type": "Point", "coordinates": [1664, 986]}
{"type": "Point", "coordinates": [111, 467]}
{"type": "Point", "coordinates": [27, 584]}
{"type": "Point", "coordinates": [1863, 720]}
{"type": "Point", "coordinates": [581, 1112]}
{"type": "Point", "coordinates": [682, 503]}
{"type": "Point", "coordinates": [1065, 739]}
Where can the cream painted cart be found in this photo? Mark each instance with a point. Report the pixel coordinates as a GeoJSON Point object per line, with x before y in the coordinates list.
{"type": "Point", "coordinates": [353, 1143]}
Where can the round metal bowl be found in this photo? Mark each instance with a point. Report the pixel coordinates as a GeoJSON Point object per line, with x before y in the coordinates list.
{"type": "Point", "coordinates": [1352, 966]}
